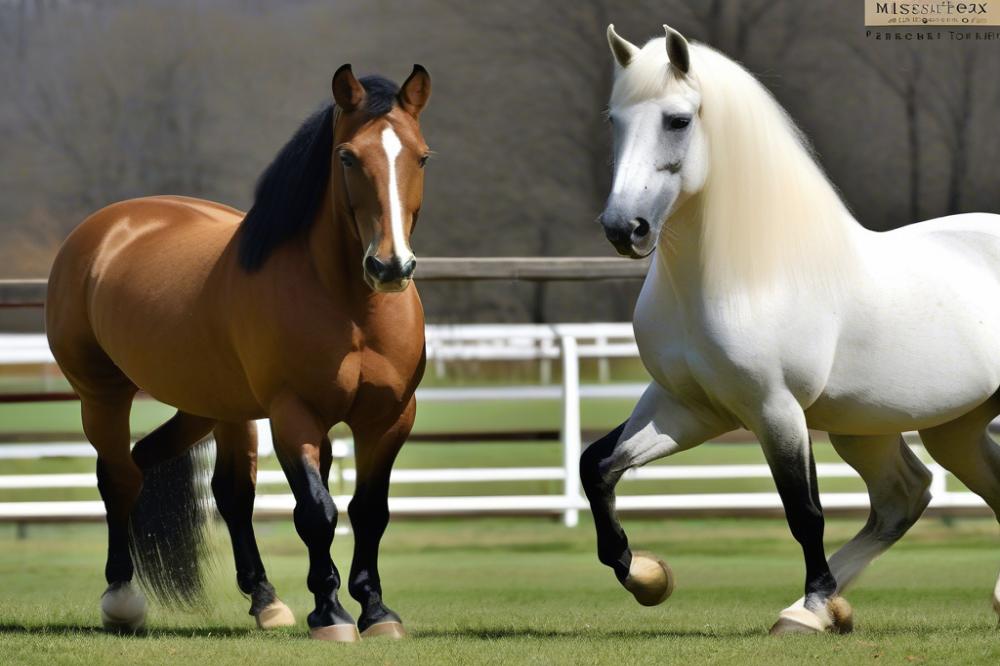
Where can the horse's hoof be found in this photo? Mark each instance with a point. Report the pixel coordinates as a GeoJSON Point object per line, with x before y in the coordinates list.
{"type": "Point", "coordinates": [649, 579]}
{"type": "Point", "coordinates": [385, 630]}
{"type": "Point", "coordinates": [123, 608]}
{"type": "Point", "coordinates": [275, 614]}
{"type": "Point", "coordinates": [797, 621]}
{"type": "Point", "coordinates": [838, 619]}
{"type": "Point", "coordinates": [340, 633]}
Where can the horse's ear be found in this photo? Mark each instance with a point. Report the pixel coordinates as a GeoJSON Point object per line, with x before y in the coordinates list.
{"type": "Point", "coordinates": [622, 49]}
{"type": "Point", "coordinates": [415, 91]}
{"type": "Point", "coordinates": [348, 92]}
{"type": "Point", "coordinates": [677, 50]}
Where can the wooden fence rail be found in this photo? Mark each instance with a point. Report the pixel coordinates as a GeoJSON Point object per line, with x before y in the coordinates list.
{"type": "Point", "coordinates": [31, 293]}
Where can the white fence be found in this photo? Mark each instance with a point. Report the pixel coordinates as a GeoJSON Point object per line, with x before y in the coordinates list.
{"type": "Point", "coordinates": [567, 343]}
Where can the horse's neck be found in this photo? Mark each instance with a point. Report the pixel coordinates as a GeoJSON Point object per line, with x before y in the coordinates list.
{"type": "Point", "coordinates": [335, 251]}
{"type": "Point", "coordinates": [682, 263]}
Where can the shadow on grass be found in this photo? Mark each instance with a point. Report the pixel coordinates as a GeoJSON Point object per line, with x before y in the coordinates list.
{"type": "Point", "coordinates": [470, 633]}
{"type": "Point", "coordinates": [497, 633]}
{"type": "Point", "coordinates": [91, 630]}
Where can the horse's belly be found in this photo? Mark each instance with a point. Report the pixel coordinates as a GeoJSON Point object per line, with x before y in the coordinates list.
{"type": "Point", "coordinates": [195, 388]}
{"type": "Point", "coordinates": [891, 411]}
{"type": "Point", "coordinates": [913, 366]}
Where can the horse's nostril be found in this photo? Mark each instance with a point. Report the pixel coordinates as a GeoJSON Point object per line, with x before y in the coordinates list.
{"type": "Point", "coordinates": [641, 228]}
{"type": "Point", "coordinates": [409, 267]}
{"type": "Point", "coordinates": [374, 266]}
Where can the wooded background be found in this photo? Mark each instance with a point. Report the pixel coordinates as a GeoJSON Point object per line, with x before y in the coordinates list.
{"type": "Point", "coordinates": [109, 99]}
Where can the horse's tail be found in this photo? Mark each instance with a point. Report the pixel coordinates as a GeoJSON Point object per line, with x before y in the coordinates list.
{"type": "Point", "coordinates": [168, 527]}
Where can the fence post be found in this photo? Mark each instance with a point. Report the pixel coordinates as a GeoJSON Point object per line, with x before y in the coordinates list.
{"type": "Point", "coordinates": [265, 442]}
{"type": "Point", "coordinates": [571, 429]}
{"type": "Point", "coordinates": [544, 363]}
{"type": "Point", "coordinates": [939, 483]}
{"type": "Point", "coordinates": [603, 362]}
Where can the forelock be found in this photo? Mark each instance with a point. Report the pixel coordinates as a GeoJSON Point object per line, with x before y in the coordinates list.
{"type": "Point", "coordinates": [380, 94]}
{"type": "Point", "coordinates": [648, 76]}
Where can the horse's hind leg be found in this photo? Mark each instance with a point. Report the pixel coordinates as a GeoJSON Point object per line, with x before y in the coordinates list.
{"type": "Point", "coordinates": [375, 451]}
{"type": "Point", "coordinates": [233, 484]}
{"type": "Point", "coordinates": [167, 521]}
{"type": "Point", "coordinates": [898, 490]}
{"type": "Point", "coordinates": [106, 424]}
{"type": "Point", "coordinates": [965, 449]}
{"type": "Point", "coordinates": [659, 426]}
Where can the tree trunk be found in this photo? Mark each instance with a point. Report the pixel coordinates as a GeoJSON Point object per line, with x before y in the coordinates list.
{"type": "Point", "coordinates": [960, 146]}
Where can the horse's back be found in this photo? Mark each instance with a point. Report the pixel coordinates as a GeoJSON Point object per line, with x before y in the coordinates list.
{"type": "Point", "coordinates": [132, 270]}
{"type": "Point", "coordinates": [94, 244]}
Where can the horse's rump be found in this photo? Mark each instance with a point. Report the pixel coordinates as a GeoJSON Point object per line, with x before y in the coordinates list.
{"type": "Point", "coordinates": [137, 283]}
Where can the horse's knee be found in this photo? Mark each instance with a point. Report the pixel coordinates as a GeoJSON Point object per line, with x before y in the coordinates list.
{"type": "Point", "coordinates": [919, 492]}
{"type": "Point", "coordinates": [591, 475]}
{"type": "Point", "coordinates": [374, 515]}
{"type": "Point", "coordinates": [119, 485]}
{"type": "Point", "coordinates": [315, 513]}
{"type": "Point", "coordinates": [596, 461]}
{"type": "Point", "coordinates": [892, 516]}
{"type": "Point", "coordinates": [889, 525]}
{"type": "Point", "coordinates": [315, 518]}
{"type": "Point", "coordinates": [890, 528]}
{"type": "Point", "coordinates": [231, 503]}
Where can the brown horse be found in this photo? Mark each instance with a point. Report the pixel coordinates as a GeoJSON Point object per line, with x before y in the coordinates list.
{"type": "Point", "coordinates": [298, 311]}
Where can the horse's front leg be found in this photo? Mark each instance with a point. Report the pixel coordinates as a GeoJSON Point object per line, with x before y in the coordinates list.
{"type": "Point", "coordinates": [660, 426]}
{"type": "Point", "coordinates": [299, 440]}
{"type": "Point", "coordinates": [376, 446]}
{"type": "Point", "coordinates": [781, 429]}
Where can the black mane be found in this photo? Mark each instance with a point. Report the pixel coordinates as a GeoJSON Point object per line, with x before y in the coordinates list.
{"type": "Point", "coordinates": [290, 191]}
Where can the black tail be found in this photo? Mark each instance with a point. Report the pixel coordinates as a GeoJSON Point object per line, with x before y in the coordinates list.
{"type": "Point", "coordinates": [167, 529]}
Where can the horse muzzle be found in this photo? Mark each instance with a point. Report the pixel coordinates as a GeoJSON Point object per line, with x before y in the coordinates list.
{"type": "Point", "coordinates": [630, 237]}
{"type": "Point", "coordinates": [389, 276]}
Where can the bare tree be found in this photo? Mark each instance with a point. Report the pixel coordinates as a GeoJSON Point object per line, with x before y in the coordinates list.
{"type": "Point", "coordinates": [120, 129]}
{"type": "Point", "coordinates": [905, 83]}
{"type": "Point", "coordinates": [732, 27]}
{"type": "Point", "coordinates": [564, 42]}
{"type": "Point", "coordinates": [952, 113]}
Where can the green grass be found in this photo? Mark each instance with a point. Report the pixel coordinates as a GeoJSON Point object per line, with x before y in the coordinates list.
{"type": "Point", "coordinates": [517, 591]}
{"type": "Point", "coordinates": [511, 590]}
{"type": "Point", "coordinates": [64, 417]}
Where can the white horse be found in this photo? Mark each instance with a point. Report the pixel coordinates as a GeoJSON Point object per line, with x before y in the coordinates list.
{"type": "Point", "coordinates": [768, 306]}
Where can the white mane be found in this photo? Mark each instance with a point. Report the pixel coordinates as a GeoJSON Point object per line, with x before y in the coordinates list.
{"type": "Point", "coordinates": [768, 214]}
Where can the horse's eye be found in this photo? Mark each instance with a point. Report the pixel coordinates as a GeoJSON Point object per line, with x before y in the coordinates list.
{"type": "Point", "coordinates": [675, 123]}
{"type": "Point", "coordinates": [423, 160]}
{"type": "Point", "coordinates": [347, 159]}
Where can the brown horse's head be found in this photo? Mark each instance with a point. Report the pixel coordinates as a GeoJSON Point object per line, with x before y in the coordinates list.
{"type": "Point", "coordinates": [381, 153]}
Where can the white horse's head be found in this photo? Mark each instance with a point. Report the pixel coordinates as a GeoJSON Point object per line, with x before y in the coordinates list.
{"type": "Point", "coordinates": [660, 153]}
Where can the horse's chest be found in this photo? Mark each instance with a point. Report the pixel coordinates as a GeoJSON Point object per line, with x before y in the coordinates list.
{"type": "Point", "coordinates": [392, 372]}
{"type": "Point", "coordinates": [729, 362]}
{"type": "Point", "coordinates": [664, 350]}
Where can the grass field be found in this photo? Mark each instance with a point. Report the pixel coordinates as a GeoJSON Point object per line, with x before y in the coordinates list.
{"type": "Point", "coordinates": [530, 591]}
{"type": "Point", "coordinates": [511, 590]}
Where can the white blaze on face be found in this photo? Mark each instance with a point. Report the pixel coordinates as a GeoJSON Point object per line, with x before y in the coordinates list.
{"type": "Point", "coordinates": [392, 147]}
